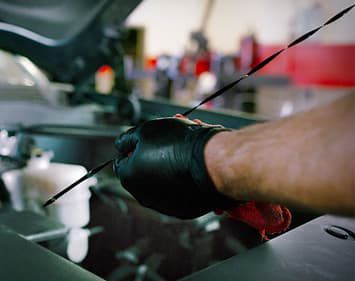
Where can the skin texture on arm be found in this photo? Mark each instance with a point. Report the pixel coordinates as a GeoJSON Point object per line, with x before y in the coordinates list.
{"type": "Point", "coordinates": [306, 161]}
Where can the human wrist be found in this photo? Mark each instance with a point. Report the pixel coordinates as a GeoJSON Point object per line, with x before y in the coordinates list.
{"type": "Point", "coordinates": [215, 157]}
{"type": "Point", "coordinates": [199, 171]}
{"type": "Point", "coordinates": [198, 166]}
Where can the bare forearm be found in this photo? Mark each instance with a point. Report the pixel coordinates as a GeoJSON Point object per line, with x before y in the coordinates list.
{"type": "Point", "coordinates": [304, 161]}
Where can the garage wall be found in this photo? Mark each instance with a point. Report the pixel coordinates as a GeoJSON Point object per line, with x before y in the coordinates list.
{"type": "Point", "coordinates": [168, 23]}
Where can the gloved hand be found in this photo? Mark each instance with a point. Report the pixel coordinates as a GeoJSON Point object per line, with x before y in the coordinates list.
{"type": "Point", "coordinates": [161, 163]}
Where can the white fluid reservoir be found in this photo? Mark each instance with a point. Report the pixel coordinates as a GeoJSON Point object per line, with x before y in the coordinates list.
{"type": "Point", "coordinates": [42, 179]}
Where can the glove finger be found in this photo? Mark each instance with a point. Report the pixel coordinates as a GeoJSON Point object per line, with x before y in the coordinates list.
{"type": "Point", "coordinates": [126, 143]}
{"type": "Point", "coordinates": [124, 171]}
{"type": "Point", "coordinates": [121, 168]}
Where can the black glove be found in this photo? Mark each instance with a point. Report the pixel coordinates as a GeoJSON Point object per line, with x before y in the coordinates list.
{"type": "Point", "coordinates": [161, 163]}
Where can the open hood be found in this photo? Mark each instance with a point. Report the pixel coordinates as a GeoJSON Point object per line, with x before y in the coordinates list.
{"type": "Point", "coordinates": [68, 39]}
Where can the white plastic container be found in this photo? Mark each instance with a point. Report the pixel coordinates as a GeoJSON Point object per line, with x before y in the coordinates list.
{"type": "Point", "coordinates": [13, 181]}
{"type": "Point", "coordinates": [42, 179]}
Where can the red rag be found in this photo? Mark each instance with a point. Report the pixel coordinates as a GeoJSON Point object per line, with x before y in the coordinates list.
{"type": "Point", "coordinates": [267, 218]}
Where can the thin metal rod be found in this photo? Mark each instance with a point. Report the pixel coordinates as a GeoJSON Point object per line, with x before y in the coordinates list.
{"type": "Point", "coordinates": [83, 178]}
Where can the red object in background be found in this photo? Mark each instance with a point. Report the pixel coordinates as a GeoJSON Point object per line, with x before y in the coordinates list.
{"type": "Point", "coordinates": [189, 64]}
{"type": "Point", "coordinates": [202, 63]}
{"type": "Point", "coordinates": [104, 69]}
{"type": "Point", "coordinates": [312, 64]}
{"type": "Point", "coordinates": [196, 65]}
{"type": "Point", "coordinates": [104, 79]}
{"type": "Point", "coordinates": [185, 66]}
{"type": "Point", "coordinates": [151, 63]}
